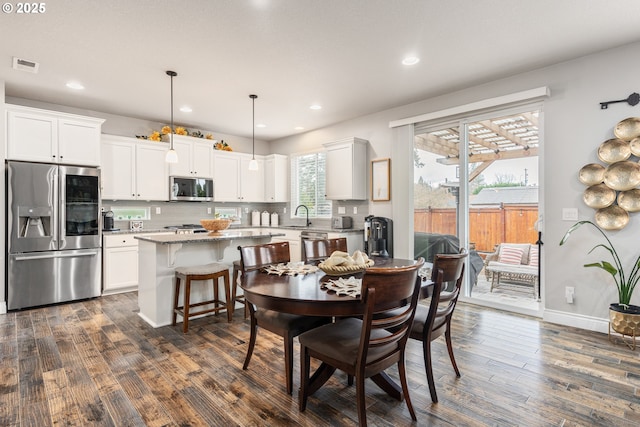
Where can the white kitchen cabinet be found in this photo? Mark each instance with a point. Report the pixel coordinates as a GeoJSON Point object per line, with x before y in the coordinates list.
{"type": "Point", "coordinates": [232, 179]}
{"type": "Point", "coordinates": [133, 170]}
{"type": "Point", "coordinates": [195, 157]}
{"type": "Point", "coordinates": [226, 177]}
{"type": "Point", "coordinates": [276, 168]}
{"type": "Point", "coordinates": [152, 172]}
{"type": "Point", "coordinates": [53, 137]}
{"type": "Point", "coordinates": [251, 182]}
{"type": "Point", "coordinates": [346, 175]}
{"type": "Point", "coordinates": [120, 262]}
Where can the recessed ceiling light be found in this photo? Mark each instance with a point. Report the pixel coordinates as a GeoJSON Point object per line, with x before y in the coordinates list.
{"type": "Point", "coordinates": [316, 107]}
{"type": "Point", "coordinates": [411, 60]}
{"type": "Point", "coordinates": [186, 109]}
{"type": "Point", "coordinates": [75, 85]}
{"type": "Point", "coordinates": [298, 128]}
{"type": "Point", "coordinates": [261, 125]}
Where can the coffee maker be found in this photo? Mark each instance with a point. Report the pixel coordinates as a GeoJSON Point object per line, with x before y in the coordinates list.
{"type": "Point", "coordinates": [378, 236]}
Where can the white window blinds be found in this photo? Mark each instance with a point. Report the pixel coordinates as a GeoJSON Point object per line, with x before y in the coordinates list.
{"type": "Point", "coordinates": [308, 172]}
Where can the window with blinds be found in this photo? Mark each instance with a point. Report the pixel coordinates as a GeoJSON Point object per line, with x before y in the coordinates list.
{"type": "Point", "coordinates": [308, 172]}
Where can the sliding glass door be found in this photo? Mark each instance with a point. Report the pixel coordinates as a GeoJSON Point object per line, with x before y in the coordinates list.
{"type": "Point", "coordinates": [476, 187]}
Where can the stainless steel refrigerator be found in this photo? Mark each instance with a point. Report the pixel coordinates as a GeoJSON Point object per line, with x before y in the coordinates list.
{"type": "Point", "coordinates": [54, 237]}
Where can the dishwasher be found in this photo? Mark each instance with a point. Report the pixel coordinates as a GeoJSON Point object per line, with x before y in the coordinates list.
{"type": "Point", "coordinates": [311, 235]}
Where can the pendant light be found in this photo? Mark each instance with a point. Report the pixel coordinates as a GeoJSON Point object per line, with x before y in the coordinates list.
{"type": "Point", "coordinates": [253, 164]}
{"type": "Point", "coordinates": [172, 155]}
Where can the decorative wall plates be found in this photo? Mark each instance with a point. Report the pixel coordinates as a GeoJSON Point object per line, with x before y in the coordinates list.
{"type": "Point", "coordinates": [628, 129]}
{"type": "Point", "coordinates": [612, 218]}
{"type": "Point", "coordinates": [629, 200]}
{"type": "Point", "coordinates": [592, 174]}
{"type": "Point", "coordinates": [614, 189]}
{"type": "Point", "coordinates": [622, 176]}
{"type": "Point", "coordinates": [635, 146]}
{"type": "Point", "coordinates": [614, 150]}
{"type": "Point", "coordinates": [599, 196]}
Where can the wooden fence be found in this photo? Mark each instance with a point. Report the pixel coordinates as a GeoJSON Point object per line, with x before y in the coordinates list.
{"type": "Point", "coordinates": [487, 226]}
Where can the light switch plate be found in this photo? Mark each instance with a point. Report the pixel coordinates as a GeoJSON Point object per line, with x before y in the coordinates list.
{"type": "Point", "coordinates": [355, 210]}
{"type": "Point", "coordinates": [569, 214]}
{"type": "Point", "coordinates": [158, 210]}
{"type": "Point", "coordinates": [208, 210]}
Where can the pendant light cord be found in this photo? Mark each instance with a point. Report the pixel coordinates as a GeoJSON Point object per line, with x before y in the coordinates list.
{"type": "Point", "coordinates": [171, 74]}
{"type": "Point", "coordinates": [253, 128]}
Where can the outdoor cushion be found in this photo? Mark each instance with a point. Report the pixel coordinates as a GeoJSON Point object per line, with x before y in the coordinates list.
{"type": "Point", "coordinates": [524, 247]}
{"type": "Point", "coordinates": [509, 255]}
{"type": "Point", "coordinates": [533, 256]}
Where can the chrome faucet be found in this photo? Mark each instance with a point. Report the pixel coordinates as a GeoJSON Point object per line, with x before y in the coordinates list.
{"type": "Point", "coordinates": [307, 209]}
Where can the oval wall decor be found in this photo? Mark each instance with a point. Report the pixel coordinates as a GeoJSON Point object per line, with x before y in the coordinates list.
{"type": "Point", "coordinates": [613, 189]}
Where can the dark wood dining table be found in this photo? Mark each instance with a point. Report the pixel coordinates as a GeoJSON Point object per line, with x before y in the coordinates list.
{"type": "Point", "coordinates": [304, 295]}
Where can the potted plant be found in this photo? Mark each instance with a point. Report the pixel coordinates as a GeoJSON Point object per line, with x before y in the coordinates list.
{"type": "Point", "coordinates": [624, 317]}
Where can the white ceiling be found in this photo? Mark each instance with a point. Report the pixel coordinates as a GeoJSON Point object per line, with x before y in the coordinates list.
{"type": "Point", "coordinates": [343, 54]}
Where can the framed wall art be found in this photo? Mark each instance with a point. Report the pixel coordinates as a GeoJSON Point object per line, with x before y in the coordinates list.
{"type": "Point", "coordinates": [380, 180]}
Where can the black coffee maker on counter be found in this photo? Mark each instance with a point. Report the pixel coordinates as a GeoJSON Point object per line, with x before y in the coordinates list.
{"type": "Point", "coordinates": [378, 236]}
{"type": "Point", "coordinates": [107, 221]}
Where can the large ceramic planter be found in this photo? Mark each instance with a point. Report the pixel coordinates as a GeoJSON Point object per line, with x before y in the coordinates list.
{"type": "Point", "coordinates": [625, 321]}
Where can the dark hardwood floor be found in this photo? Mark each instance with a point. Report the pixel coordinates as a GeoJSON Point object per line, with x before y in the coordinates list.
{"type": "Point", "coordinates": [97, 363]}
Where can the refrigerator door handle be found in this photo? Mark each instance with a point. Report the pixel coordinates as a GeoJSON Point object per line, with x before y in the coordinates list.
{"type": "Point", "coordinates": [56, 255]}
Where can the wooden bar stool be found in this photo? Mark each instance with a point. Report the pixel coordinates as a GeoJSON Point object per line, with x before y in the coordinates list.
{"type": "Point", "coordinates": [213, 272]}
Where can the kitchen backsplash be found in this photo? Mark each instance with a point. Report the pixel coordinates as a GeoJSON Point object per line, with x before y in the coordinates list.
{"type": "Point", "coordinates": [175, 213]}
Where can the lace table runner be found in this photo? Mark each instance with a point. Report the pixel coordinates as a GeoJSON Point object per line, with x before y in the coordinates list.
{"type": "Point", "coordinates": [344, 287]}
{"type": "Point", "coordinates": [290, 269]}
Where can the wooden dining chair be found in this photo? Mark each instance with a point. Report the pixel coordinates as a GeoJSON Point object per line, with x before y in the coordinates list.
{"type": "Point", "coordinates": [435, 320]}
{"type": "Point", "coordinates": [314, 251]}
{"type": "Point", "coordinates": [365, 347]}
{"type": "Point", "coordinates": [288, 326]}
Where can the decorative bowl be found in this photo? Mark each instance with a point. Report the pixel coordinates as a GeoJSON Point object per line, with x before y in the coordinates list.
{"type": "Point", "coordinates": [215, 224]}
{"type": "Point", "coordinates": [342, 270]}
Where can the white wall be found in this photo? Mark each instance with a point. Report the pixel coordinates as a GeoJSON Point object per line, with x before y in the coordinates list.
{"type": "Point", "coordinates": [574, 127]}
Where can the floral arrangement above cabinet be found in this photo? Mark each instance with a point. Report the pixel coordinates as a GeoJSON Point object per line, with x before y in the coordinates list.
{"type": "Point", "coordinates": [179, 130]}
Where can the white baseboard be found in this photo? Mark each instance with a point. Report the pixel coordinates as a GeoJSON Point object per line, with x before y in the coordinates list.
{"type": "Point", "coordinates": [589, 323]}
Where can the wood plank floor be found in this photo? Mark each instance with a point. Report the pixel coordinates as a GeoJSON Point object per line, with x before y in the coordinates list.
{"type": "Point", "coordinates": [97, 363]}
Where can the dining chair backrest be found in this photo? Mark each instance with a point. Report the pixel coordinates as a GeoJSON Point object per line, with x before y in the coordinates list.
{"type": "Point", "coordinates": [451, 266]}
{"type": "Point", "coordinates": [258, 256]}
{"type": "Point", "coordinates": [314, 251]}
{"type": "Point", "coordinates": [385, 289]}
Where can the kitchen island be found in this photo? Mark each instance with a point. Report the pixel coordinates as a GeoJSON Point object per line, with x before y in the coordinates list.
{"type": "Point", "coordinates": [158, 257]}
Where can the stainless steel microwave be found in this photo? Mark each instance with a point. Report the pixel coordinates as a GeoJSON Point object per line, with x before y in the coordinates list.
{"type": "Point", "coordinates": [191, 189]}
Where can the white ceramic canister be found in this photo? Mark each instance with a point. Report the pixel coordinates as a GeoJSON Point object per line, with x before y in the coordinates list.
{"type": "Point", "coordinates": [265, 218]}
{"type": "Point", "coordinates": [274, 219]}
{"type": "Point", "coordinates": [255, 218]}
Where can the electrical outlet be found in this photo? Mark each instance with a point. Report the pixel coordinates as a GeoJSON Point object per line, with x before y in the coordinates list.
{"type": "Point", "coordinates": [355, 210]}
{"type": "Point", "coordinates": [158, 210]}
{"type": "Point", "coordinates": [209, 210]}
{"type": "Point", "coordinates": [569, 293]}
{"type": "Point", "coordinates": [246, 210]}
{"type": "Point", "coordinates": [284, 210]}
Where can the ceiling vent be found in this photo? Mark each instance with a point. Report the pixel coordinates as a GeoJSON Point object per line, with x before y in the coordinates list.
{"type": "Point", "coordinates": [25, 65]}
